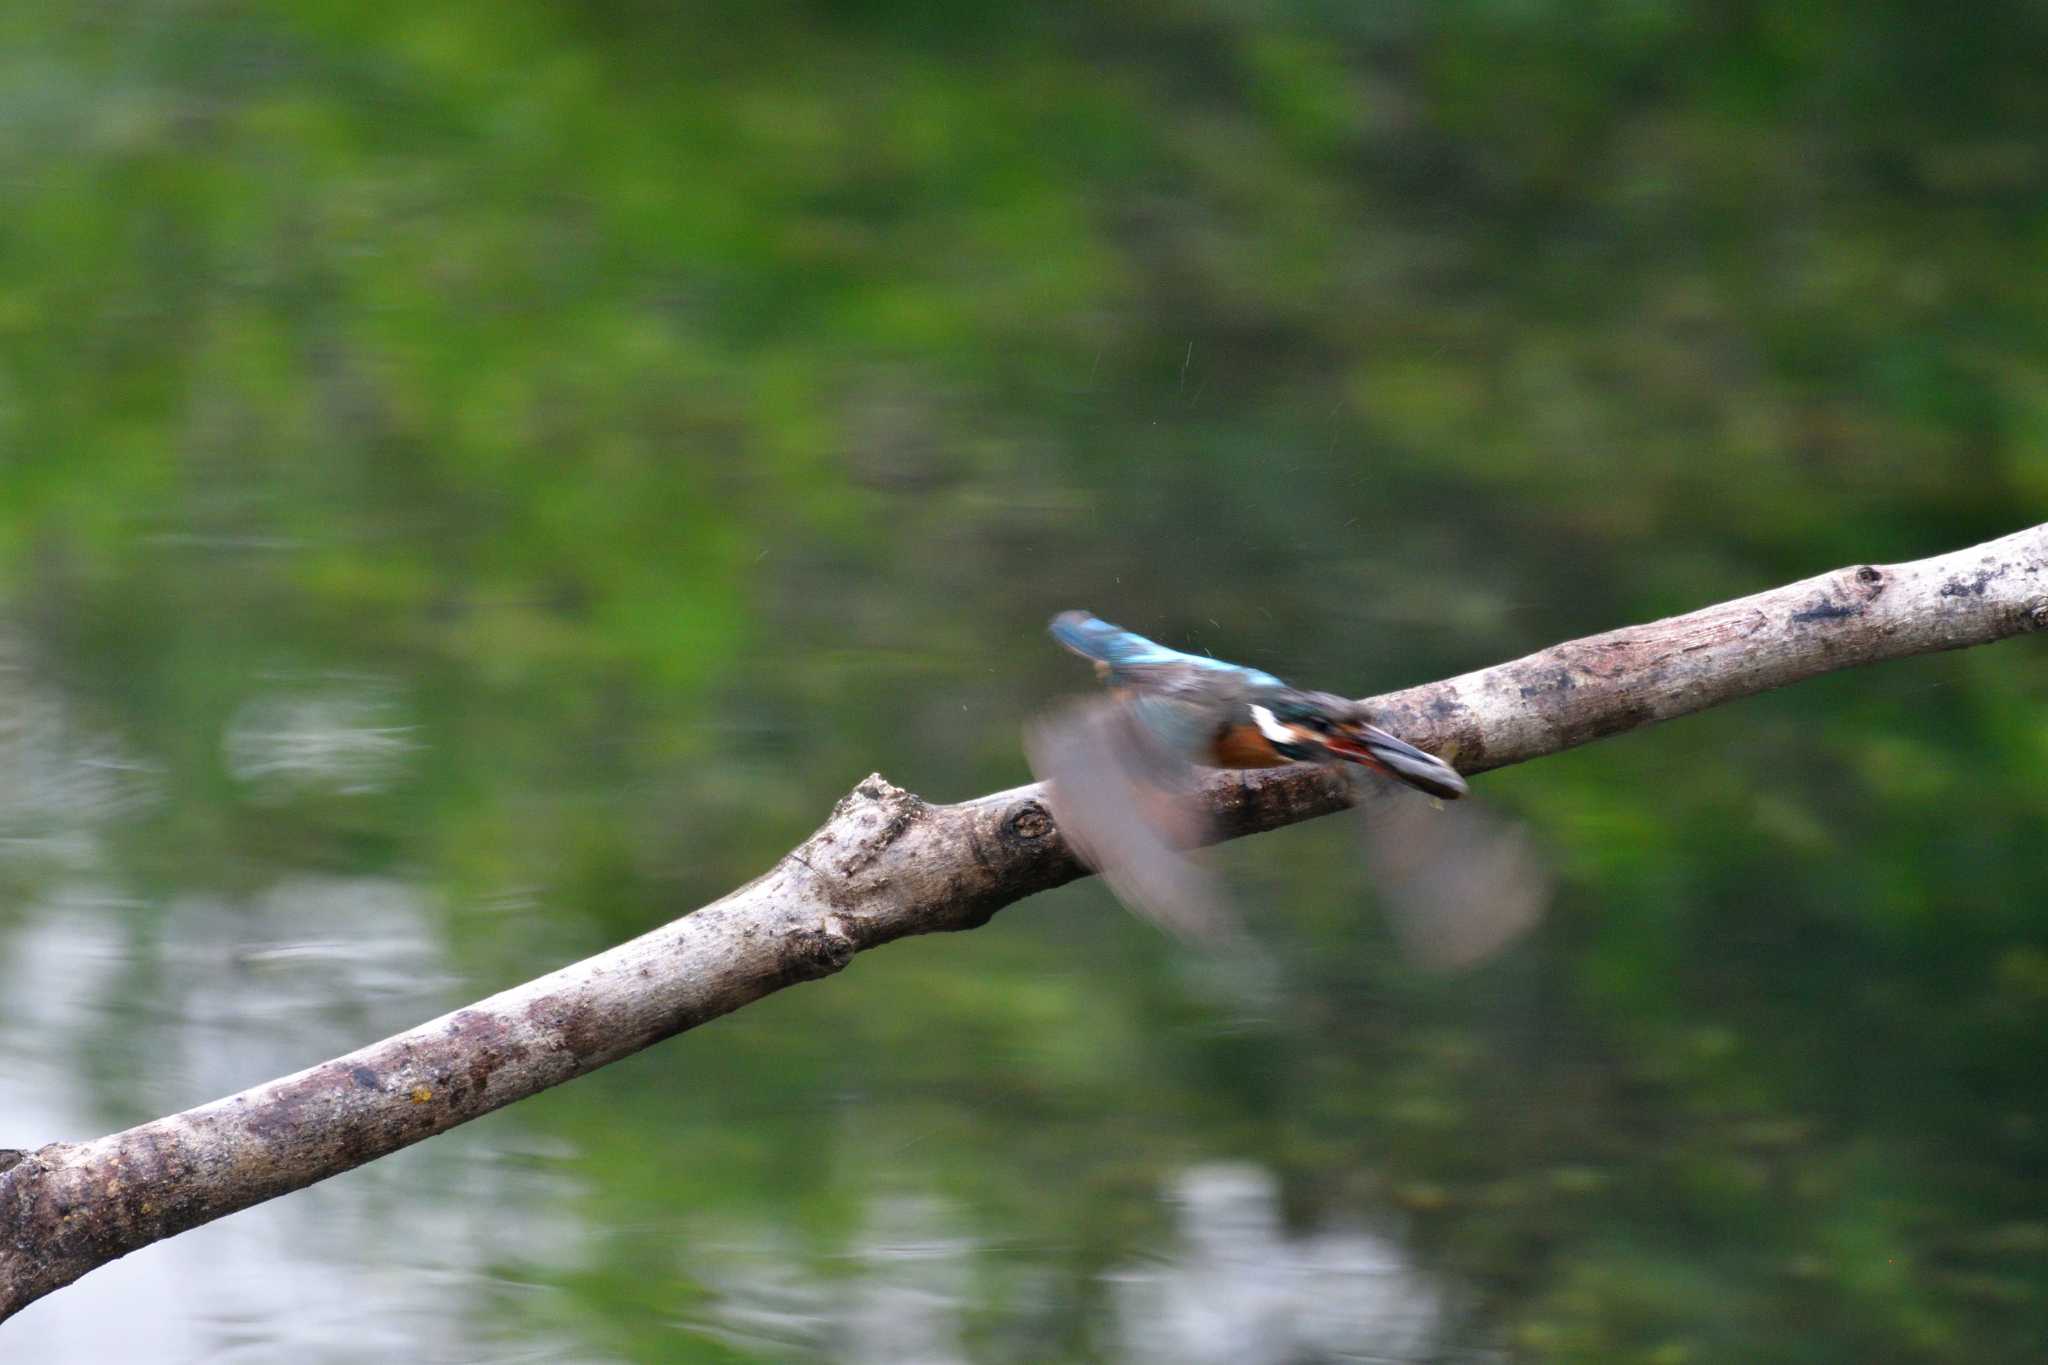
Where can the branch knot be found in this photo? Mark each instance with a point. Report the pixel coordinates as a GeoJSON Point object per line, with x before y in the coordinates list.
{"type": "Point", "coordinates": [810, 953]}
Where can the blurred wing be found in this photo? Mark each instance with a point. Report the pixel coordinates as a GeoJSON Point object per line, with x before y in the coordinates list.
{"type": "Point", "coordinates": [1459, 883]}
{"type": "Point", "coordinates": [1131, 810]}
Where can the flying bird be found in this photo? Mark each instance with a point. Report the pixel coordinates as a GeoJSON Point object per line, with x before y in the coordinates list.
{"type": "Point", "coordinates": [1125, 770]}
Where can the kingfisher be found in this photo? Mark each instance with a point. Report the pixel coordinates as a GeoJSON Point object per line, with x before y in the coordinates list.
{"type": "Point", "coordinates": [1225, 715]}
{"type": "Point", "coordinates": [1124, 776]}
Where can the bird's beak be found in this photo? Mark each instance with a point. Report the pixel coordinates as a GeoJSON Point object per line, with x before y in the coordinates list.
{"type": "Point", "coordinates": [1397, 758]}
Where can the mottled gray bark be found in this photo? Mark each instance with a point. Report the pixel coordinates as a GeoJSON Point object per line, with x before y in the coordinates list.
{"type": "Point", "coordinates": [887, 865]}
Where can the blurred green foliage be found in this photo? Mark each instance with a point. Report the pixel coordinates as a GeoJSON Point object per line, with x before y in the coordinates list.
{"type": "Point", "coordinates": [685, 409]}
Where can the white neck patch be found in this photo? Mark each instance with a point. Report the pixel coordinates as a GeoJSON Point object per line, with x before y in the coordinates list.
{"type": "Point", "coordinates": [1270, 726]}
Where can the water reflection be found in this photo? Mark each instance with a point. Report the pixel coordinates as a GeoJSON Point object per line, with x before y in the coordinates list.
{"type": "Point", "coordinates": [1242, 1290]}
{"type": "Point", "coordinates": [386, 1263]}
{"type": "Point", "coordinates": [1232, 1285]}
{"type": "Point", "coordinates": [901, 1293]}
{"type": "Point", "coordinates": [60, 783]}
{"type": "Point", "coordinates": [119, 1007]}
{"type": "Point", "coordinates": [62, 967]}
{"type": "Point", "coordinates": [242, 992]}
{"type": "Point", "coordinates": [301, 971]}
{"type": "Point", "coordinates": [348, 737]}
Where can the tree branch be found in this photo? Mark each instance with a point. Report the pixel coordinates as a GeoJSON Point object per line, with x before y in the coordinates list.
{"type": "Point", "coordinates": [887, 865]}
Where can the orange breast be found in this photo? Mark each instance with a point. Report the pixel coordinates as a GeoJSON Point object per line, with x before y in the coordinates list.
{"type": "Point", "coordinates": [1242, 746]}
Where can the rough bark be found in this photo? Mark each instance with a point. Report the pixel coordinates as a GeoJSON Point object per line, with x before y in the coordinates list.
{"type": "Point", "coordinates": [887, 865]}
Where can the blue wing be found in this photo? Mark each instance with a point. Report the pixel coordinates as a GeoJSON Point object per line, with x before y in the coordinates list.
{"type": "Point", "coordinates": [1128, 655]}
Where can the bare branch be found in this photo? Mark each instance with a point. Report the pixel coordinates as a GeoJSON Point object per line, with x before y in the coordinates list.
{"type": "Point", "coordinates": [887, 865]}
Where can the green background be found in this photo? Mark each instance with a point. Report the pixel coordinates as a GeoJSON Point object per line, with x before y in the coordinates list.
{"type": "Point", "coordinates": [477, 480]}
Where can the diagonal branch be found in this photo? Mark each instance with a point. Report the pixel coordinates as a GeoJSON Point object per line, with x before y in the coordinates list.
{"type": "Point", "coordinates": [887, 865]}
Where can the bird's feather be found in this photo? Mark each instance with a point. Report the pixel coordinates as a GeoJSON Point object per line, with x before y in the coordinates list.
{"type": "Point", "coordinates": [1133, 659]}
{"type": "Point", "coordinates": [1458, 883]}
{"type": "Point", "coordinates": [1130, 808]}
